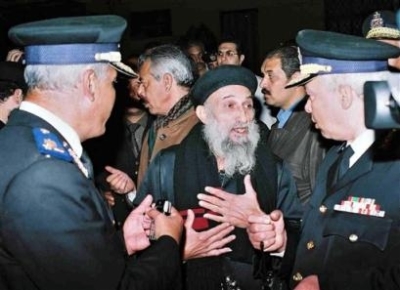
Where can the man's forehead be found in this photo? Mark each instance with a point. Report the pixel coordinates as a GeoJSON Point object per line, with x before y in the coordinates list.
{"type": "Point", "coordinates": [227, 45]}
{"type": "Point", "coordinates": [271, 63]}
{"type": "Point", "coordinates": [144, 68]}
{"type": "Point", "coordinates": [233, 92]}
{"type": "Point", "coordinates": [195, 49]}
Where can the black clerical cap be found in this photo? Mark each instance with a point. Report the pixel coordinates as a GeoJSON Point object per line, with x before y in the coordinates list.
{"type": "Point", "coordinates": [72, 40]}
{"type": "Point", "coordinates": [219, 77]}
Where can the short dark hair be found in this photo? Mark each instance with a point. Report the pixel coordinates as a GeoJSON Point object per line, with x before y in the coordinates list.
{"type": "Point", "coordinates": [232, 39]}
{"type": "Point", "coordinates": [289, 57]}
{"type": "Point", "coordinates": [7, 89]}
{"type": "Point", "coordinates": [194, 42]}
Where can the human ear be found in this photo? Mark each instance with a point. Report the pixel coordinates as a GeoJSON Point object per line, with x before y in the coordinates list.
{"type": "Point", "coordinates": [89, 84]}
{"type": "Point", "coordinates": [202, 114]}
{"type": "Point", "coordinates": [347, 95]}
{"type": "Point", "coordinates": [18, 95]}
{"type": "Point", "coordinates": [167, 81]}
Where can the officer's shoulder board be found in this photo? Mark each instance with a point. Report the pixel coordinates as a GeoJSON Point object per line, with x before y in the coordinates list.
{"type": "Point", "coordinates": [50, 145]}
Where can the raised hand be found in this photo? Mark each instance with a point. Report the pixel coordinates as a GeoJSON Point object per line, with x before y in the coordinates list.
{"type": "Point", "coordinates": [119, 181]}
{"type": "Point", "coordinates": [206, 243]}
{"type": "Point", "coordinates": [171, 225]}
{"type": "Point", "coordinates": [137, 226]}
{"type": "Point", "coordinates": [231, 208]}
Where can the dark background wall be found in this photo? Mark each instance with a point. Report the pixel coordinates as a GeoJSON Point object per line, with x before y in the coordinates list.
{"type": "Point", "coordinates": [261, 24]}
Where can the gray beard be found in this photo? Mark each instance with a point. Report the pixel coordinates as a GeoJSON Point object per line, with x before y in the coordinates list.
{"type": "Point", "coordinates": [239, 157]}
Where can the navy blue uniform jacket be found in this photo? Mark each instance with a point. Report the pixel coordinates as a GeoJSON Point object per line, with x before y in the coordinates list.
{"type": "Point", "coordinates": [352, 250]}
{"type": "Point", "coordinates": [55, 228]}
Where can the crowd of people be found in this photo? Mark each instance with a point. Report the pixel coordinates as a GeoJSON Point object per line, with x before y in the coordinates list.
{"type": "Point", "coordinates": [275, 181]}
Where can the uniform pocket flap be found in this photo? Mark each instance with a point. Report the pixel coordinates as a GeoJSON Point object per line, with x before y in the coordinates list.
{"type": "Point", "coordinates": [358, 228]}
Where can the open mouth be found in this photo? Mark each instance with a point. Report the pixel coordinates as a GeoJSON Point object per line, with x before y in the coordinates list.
{"type": "Point", "coordinates": [241, 130]}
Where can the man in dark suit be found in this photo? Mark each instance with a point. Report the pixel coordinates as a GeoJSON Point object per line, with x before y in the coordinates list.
{"type": "Point", "coordinates": [56, 231]}
{"type": "Point", "coordinates": [293, 138]}
{"type": "Point", "coordinates": [350, 237]}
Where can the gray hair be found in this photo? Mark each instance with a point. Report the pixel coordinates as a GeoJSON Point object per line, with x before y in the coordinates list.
{"type": "Point", "coordinates": [170, 59]}
{"type": "Point", "coordinates": [60, 77]}
{"type": "Point", "coordinates": [357, 80]}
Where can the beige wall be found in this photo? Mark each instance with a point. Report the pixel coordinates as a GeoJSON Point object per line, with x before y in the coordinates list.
{"type": "Point", "coordinates": [278, 21]}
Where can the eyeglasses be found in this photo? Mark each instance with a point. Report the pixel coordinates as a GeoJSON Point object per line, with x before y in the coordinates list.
{"type": "Point", "coordinates": [228, 53]}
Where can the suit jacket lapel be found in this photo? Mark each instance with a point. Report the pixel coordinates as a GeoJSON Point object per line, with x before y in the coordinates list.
{"type": "Point", "coordinates": [362, 166]}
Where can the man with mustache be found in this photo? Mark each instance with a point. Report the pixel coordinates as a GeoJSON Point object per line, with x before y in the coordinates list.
{"type": "Point", "coordinates": [224, 151]}
{"type": "Point", "coordinates": [293, 138]}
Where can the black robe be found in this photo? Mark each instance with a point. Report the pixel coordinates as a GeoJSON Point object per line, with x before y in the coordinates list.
{"type": "Point", "coordinates": [180, 172]}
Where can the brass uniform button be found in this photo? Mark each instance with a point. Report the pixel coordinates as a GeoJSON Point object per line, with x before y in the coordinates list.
{"type": "Point", "coordinates": [353, 238]}
{"type": "Point", "coordinates": [310, 245]}
{"type": "Point", "coordinates": [297, 277]}
{"type": "Point", "coordinates": [322, 209]}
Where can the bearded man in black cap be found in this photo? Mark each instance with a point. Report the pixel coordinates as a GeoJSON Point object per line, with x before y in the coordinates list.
{"type": "Point", "coordinates": [56, 230]}
{"type": "Point", "coordinates": [350, 236]}
{"type": "Point", "coordinates": [223, 151]}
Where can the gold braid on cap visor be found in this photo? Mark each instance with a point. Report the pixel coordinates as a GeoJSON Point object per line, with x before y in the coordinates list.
{"type": "Point", "coordinates": [313, 68]}
{"type": "Point", "coordinates": [384, 32]}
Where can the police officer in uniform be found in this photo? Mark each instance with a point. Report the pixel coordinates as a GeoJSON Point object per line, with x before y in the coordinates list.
{"type": "Point", "coordinates": [350, 237]}
{"type": "Point", "coordinates": [56, 231]}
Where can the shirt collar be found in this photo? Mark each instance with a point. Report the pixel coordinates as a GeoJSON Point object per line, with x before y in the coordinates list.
{"type": "Point", "coordinates": [62, 127]}
{"type": "Point", "coordinates": [284, 115]}
{"type": "Point", "coordinates": [361, 144]}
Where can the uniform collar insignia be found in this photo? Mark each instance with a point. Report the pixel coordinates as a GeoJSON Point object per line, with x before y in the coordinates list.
{"type": "Point", "coordinates": [50, 145]}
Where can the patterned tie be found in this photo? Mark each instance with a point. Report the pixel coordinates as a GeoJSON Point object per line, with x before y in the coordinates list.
{"type": "Point", "coordinates": [87, 163]}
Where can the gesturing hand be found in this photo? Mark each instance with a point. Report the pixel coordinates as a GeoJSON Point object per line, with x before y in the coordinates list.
{"type": "Point", "coordinates": [206, 243]}
{"type": "Point", "coordinates": [136, 227]}
{"type": "Point", "coordinates": [269, 229]}
{"type": "Point", "coordinates": [231, 208]}
{"type": "Point", "coordinates": [119, 181]}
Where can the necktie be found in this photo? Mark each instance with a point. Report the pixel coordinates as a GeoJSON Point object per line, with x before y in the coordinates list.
{"type": "Point", "coordinates": [135, 136]}
{"type": "Point", "coordinates": [87, 163]}
{"type": "Point", "coordinates": [341, 165]}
